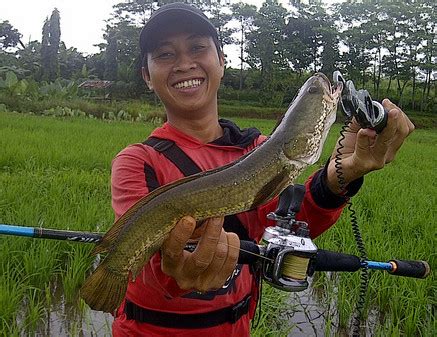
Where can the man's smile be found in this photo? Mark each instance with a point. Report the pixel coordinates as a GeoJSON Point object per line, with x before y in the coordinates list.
{"type": "Point", "coordinates": [188, 84]}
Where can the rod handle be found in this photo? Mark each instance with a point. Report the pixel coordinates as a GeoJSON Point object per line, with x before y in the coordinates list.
{"type": "Point", "coordinates": [249, 252]}
{"type": "Point", "coordinates": [409, 268]}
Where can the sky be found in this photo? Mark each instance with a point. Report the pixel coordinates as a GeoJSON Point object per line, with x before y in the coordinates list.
{"type": "Point", "coordinates": [82, 21]}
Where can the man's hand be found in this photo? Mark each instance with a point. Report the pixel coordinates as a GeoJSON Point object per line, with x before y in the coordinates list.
{"type": "Point", "coordinates": [211, 263]}
{"type": "Point", "coordinates": [365, 151]}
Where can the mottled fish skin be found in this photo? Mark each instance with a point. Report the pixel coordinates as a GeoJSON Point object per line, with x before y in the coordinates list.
{"type": "Point", "coordinates": [244, 184]}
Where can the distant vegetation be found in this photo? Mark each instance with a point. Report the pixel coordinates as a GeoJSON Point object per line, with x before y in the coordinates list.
{"type": "Point", "coordinates": [386, 46]}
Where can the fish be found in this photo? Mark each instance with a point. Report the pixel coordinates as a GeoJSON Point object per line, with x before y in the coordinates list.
{"type": "Point", "coordinates": [244, 184]}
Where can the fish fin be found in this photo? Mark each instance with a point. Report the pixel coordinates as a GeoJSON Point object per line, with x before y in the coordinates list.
{"type": "Point", "coordinates": [104, 290]}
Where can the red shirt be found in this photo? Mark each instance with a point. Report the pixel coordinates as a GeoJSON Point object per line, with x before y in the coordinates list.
{"type": "Point", "coordinates": [153, 289]}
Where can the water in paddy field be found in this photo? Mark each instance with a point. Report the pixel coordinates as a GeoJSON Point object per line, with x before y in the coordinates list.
{"type": "Point", "coordinates": [90, 323]}
{"type": "Point", "coordinates": [312, 313]}
{"type": "Point", "coordinates": [309, 312]}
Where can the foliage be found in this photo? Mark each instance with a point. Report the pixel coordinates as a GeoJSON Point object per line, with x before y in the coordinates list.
{"type": "Point", "coordinates": [70, 190]}
{"type": "Point", "coordinates": [386, 47]}
{"type": "Point", "coordinates": [51, 35]}
{"type": "Point", "coordinates": [9, 36]}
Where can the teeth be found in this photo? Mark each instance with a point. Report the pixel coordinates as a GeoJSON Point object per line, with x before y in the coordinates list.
{"type": "Point", "coordinates": [188, 84]}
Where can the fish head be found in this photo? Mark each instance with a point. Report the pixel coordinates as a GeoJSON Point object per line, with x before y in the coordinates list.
{"type": "Point", "coordinates": [306, 124]}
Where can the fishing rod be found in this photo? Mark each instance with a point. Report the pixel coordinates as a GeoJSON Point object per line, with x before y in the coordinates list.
{"type": "Point", "coordinates": [55, 234]}
{"type": "Point", "coordinates": [286, 255]}
{"type": "Point", "coordinates": [323, 260]}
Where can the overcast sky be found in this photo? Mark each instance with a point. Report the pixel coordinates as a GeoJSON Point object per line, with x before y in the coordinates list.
{"type": "Point", "coordinates": [82, 21]}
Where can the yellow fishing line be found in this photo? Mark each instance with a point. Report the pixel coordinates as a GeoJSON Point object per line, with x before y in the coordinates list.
{"type": "Point", "coordinates": [295, 267]}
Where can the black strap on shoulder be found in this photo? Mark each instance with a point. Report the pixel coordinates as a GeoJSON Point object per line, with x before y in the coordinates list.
{"type": "Point", "coordinates": [229, 314]}
{"type": "Point", "coordinates": [174, 153]}
{"type": "Point", "coordinates": [188, 167]}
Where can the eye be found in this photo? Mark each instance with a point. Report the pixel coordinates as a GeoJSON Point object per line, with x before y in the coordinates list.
{"type": "Point", "coordinates": [163, 55]}
{"type": "Point", "coordinates": [198, 47]}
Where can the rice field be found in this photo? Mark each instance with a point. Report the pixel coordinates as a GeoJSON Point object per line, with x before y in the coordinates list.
{"type": "Point", "coordinates": [55, 173]}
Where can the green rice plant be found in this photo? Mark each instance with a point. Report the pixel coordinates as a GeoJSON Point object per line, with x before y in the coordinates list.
{"type": "Point", "coordinates": [78, 264]}
{"type": "Point", "coordinates": [12, 292]}
{"type": "Point", "coordinates": [40, 263]}
{"type": "Point", "coordinates": [34, 311]}
{"type": "Point", "coordinates": [55, 173]}
{"type": "Point", "coordinates": [268, 322]}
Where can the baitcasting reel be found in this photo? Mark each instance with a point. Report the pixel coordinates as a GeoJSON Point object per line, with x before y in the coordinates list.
{"type": "Point", "coordinates": [359, 104]}
{"type": "Point", "coordinates": [286, 255]}
{"type": "Point", "coordinates": [288, 247]}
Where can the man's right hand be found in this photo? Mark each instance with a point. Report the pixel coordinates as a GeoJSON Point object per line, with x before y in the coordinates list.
{"type": "Point", "coordinates": [210, 264]}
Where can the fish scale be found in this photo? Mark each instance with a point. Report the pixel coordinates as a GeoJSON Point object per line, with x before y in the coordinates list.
{"type": "Point", "coordinates": [252, 180]}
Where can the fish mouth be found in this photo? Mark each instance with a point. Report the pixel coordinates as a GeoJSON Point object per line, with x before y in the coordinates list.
{"type": "Point", "coordinates": [336, 90]}
{"type": "Point", "coordinates": [332, 91]}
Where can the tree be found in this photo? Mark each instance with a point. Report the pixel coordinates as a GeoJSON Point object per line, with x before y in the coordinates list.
{"type": "Point", "coordinates": [29, 58]}
{"type": "Point", "coordinates": [266, 47]}
{"type": "Point", "coordinates": [245, 15]}
{"type": "Point", "coordinates": [71, 62]}
{"type": "Point", "coordinates": [219, 18]}
{"type": "Point", "coordinates": [9, 36]}
{"type": "Point", "coordinates": [51, 38]}
{"type": "Point", "coordinates": [311, 39]}
{"type": "Point", "coordinates": [111, 65]}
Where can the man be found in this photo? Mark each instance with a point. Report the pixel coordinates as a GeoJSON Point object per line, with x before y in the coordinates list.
{"type": "Point", "coordinates": [181, 293]}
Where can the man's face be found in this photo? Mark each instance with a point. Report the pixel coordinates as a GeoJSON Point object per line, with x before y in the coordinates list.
{"type": "Point", "coordinates": [185, 71]}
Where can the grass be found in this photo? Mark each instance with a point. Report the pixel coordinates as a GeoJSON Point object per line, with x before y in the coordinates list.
{"type": "Point", "coordinates": [55, 173]}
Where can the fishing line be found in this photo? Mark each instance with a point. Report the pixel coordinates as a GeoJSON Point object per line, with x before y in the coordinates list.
{"type": "Point", "coordinates": [293, 266]}
{"type": "Point", "coordinates": [249, 252]}
{"type": "Point", "coordinates": [364, 272]}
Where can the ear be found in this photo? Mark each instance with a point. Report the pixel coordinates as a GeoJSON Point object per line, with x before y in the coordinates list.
{"type": "Point", "coordinates": [222, 63]}
{"type": "Point", "coordinates": [146, 77]}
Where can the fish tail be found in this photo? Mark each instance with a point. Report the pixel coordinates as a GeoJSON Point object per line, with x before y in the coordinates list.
{"type": "Point", "coordinates": [104, 290]}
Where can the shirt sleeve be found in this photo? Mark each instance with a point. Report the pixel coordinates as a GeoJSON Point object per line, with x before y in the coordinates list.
{"type": "Point", "coordinates": [128, 185]}
{"type": "Point", "coordinates": [128, 182]}
{"type": "Point", "coordinates": [320, 207]}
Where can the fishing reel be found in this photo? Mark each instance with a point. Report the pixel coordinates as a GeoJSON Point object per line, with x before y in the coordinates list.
{"type": "Point", "coordinates": [286, 256]}
{"type": "Point", "coordinates": [358, 103]}
{"type": "Point", "coordinates": [288, 249]}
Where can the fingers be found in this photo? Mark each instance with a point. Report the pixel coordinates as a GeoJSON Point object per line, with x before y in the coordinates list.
{"type": "Point", "coordinates": [172, 250]}
{"type": "Point", "coordinates": [233, 252]}
{"type": "Point", "coordinates": [225, 259]}
{"type": "Point", "coordinates": [404, 127]}
{"type": "Point", "coordinates": [204, 253]}
{"type": "Point", "coordinates": [386, 137]}
{"type": "Point", "coordinates": [211, 263]}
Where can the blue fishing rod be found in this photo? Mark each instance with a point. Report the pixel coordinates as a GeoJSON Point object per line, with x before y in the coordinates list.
{"type": "Point", "coordinates": [287, 255]}
{"type": "Point", "coordinates": [55, 234]}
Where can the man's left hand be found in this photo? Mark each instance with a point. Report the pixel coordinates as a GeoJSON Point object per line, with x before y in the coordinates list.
{"type": "Point", "coordinates": [364, 150]}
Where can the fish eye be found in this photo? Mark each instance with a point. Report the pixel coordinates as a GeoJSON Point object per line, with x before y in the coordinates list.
{"type": "Point", "coordinates": [313, 89]}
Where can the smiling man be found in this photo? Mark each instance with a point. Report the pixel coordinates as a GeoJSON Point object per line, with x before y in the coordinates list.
{"type": "Point", "coordinates": [205, 292]}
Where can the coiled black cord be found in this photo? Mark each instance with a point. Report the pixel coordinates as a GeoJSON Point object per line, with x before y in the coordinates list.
{"type": "Point", "coordinates": [364, 272]}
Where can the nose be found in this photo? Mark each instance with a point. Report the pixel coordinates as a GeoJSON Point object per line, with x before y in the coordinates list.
{"type": "Point", "coordinates": [184, 63]}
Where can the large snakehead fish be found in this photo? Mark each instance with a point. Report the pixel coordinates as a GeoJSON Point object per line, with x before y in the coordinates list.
{"type": "Point", "coordinates": [252, 180]}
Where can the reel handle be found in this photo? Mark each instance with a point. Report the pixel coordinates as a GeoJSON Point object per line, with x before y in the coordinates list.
{"type": "Point", "coordinates": [358, 103]}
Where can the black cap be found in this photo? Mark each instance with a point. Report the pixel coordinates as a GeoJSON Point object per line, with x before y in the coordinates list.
{"type": "Point", "coordinates": [172, 16]}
